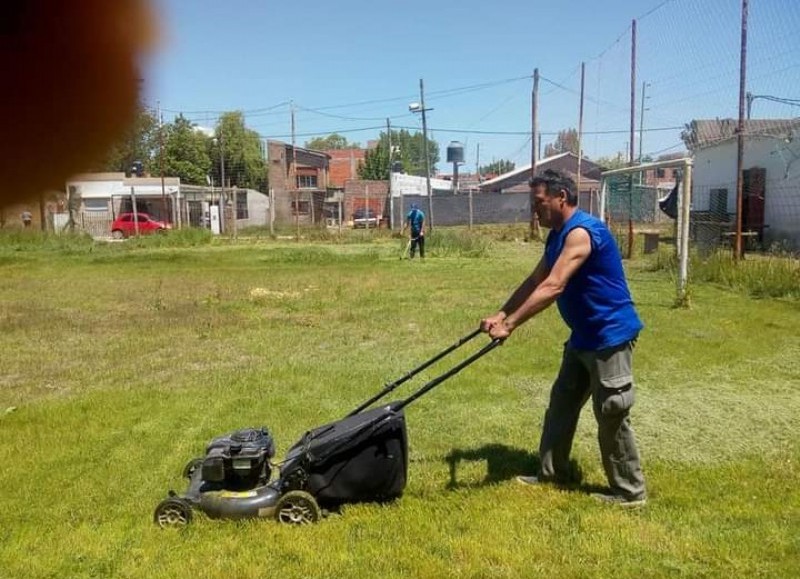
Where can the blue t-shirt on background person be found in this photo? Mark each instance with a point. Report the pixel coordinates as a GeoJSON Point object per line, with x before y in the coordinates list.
{"type": "Point", "coordinates": [415, 219]}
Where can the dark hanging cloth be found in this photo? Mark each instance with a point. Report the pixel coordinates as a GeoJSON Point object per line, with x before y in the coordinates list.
{"type": "Point", "coordinates": [669, 204]}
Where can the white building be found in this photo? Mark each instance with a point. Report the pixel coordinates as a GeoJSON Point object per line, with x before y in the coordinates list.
{"type": "Point", "coordinates": [403, 184]}
{"type": "Point", "coordinates": [104, 195]}
{"type": "Point", "coordinates": [771, 200]}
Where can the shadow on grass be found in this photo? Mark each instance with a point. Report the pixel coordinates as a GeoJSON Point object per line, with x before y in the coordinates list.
{"type": "Point", "coordinates": [504, 463]}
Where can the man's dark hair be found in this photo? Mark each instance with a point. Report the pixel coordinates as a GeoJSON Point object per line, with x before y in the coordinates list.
{"type": "Point", "coordinates": [554, 182]}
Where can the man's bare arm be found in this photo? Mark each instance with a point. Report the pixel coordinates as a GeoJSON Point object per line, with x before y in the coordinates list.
{"type": "Point", "coordinates": [577, 248]}
{"type": "Point", "coordinates": [519, 295]}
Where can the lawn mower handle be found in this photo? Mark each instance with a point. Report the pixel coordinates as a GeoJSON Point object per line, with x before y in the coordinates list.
{"type": "Point", "coordinates": [451, 372]}
{"type": "Point", "coordinates": [392, 385]}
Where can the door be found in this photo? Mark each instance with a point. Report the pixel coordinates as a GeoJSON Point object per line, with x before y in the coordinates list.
{"type": "Point", "coordinates": [753, 201]}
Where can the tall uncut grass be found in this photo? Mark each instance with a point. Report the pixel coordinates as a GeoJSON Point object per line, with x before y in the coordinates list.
{"type": "Point", "coordinates": [774, 274]}
{"type": "Point", "coordinates": [119, 362]}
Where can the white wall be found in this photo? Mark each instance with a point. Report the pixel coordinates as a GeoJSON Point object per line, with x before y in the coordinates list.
{"type": "Point", "coordinates": [403, 184]}
{"type": "Point", "coordinates": [97, 189]}
{"type": "Point", "coordinates": [715, 168]}
{"type": "Point", "coordinates": [257, 209]}
{"type": "Point", "coordinates": [113, 187]}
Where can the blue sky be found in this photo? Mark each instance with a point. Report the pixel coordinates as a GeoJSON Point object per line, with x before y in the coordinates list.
{"type": "Point", "coordinates": [348, 65]}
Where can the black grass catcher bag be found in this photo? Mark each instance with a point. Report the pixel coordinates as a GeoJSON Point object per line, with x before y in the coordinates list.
{"type": "Point", "coordinates": [363, 457]}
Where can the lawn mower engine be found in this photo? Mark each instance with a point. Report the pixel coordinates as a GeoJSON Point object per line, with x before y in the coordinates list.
{"type": "Point", "coordinates": [232, 481]}
{"type": "Point", "coordinates": [239, 461]}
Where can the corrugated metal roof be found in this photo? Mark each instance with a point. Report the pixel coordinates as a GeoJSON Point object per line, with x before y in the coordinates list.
{"type": "Point", "coordinates": [524, 168]}
{"type": "Point", "coordinates": [709, 132]}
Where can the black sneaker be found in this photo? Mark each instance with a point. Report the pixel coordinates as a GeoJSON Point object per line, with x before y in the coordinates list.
{"type": "Point", "coordinates": [620, 501]}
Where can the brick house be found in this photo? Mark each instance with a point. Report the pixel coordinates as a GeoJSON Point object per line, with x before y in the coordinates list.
{"type": "Point", "coordinates": [304, 198]}
{"type": "Point", "coordinates": [343, 165]}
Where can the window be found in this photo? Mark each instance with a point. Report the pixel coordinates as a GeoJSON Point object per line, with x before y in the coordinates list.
{"type": "Point", "coordinates": [660, 173]}
{"type": "Point", "coordinates": [300, 208]}
{"type": "Point", "coordinates": [306, 181]}
{"type": "Point", "coordinates": [95, 204]}
{"type": "Point", "coordinates": [718, 202]}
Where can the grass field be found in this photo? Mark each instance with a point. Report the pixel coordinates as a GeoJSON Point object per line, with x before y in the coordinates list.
{"type": "Point", "coordinates": [119, 362]}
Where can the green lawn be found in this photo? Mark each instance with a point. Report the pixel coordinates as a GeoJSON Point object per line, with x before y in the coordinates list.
{"type": "Point", "coordinates": [119, 363]}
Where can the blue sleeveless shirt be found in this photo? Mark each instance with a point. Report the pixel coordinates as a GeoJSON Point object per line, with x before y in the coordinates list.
{"type": "Point", "coordinates": [596, 303]}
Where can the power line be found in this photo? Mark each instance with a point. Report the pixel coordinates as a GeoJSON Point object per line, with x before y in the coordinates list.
{"type": "Point", "coordinates": [548, 133]}
{"type": "Point", "coordinates": [465, 131]}
{"type": "Point", "coordinates": [586, 96]}
{"type": "Point", "coordinates": [315, 134]}
{"type": "Point", "coordinates": [249, 112]}
{"type": "Point", "coordinates": [443, 93]}
{"type": "Point", "coordinates": [649, 12]}
{"type": "Point", "coordinates": [334, 116]}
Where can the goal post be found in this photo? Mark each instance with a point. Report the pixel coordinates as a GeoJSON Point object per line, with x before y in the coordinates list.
{"type": "Point", "coordinates": [634, 195]}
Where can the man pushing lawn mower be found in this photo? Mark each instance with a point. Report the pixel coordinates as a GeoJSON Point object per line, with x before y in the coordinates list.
{"type": "Point", "coordinates": [581, 271]}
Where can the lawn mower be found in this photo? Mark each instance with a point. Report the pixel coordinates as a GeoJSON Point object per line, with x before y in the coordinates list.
{"type": "Point", "coordinates": [360, 458]}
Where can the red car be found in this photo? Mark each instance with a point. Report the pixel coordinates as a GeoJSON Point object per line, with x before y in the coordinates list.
{"type": "Point", "coordinates": [125, 225]}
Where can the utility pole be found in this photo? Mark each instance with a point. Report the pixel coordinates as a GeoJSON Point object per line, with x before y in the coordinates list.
{"type": "Point", "coordinates": [135, 211]}
{"type": "Point", "coordinates": [161, 161]}
{"type": "Point", "coordinates": [580, 132]}
{"type": "Point", "coordinates": [478, 176]}
{"type": "Point", "coordinates": [641, 121]}
{"type": "Point", "coordinates": [270, 191]}
{"type": "Point", "coordinates": [427, 158]}
{"type": "Point", "coordinates": [642, 179]}
{"type": "Point", "coordinates": [367, 211]}
{"type": "Point", "coordinates": [391, 200]}
{"type": "Point", "coordinates": [222, 223]}
{"type": "Point", "coordinates": [293, 182]}
{"type": "Point", "coordinates": [234, 215]}
{"type": "Point", "coordinates": [740, 134]}
{"type": "Point", "coordinates": [536, 144]}
{"type": "Point", "coordinates": [631, 142]}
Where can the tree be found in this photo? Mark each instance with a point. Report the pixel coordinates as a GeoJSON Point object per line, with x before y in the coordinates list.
{"type": "Point", "coordinates": [498, 167]}
{"type": "Point", "coordinates": [241, 149]}
{"type": "Point", "coordinates": [566, 140]}
{"type": "Point", "coordinates": [186, 152]}
{"type": "Point", "coordinates": [407, 148]}
{"type": "Point", "coordinates": [140, 143]}
{"type": "Point", "coordinates": [334, 141]}
{"type": "Point", "coordinates": [375, 166]}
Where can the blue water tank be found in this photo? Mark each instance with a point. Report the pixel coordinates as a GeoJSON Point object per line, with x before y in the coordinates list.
{"type": "Point", "coordinates": [455, 152]}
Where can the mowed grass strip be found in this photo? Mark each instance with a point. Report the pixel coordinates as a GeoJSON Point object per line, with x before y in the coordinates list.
{"type": "Point", "coordinates": [119, 364]}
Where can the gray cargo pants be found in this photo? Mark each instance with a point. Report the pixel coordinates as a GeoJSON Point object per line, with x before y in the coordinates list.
{"type": "Point", "coordinates": [606, 376]}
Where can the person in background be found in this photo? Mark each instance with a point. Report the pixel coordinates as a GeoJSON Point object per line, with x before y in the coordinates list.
{"type": "Point", "coordinates": [415, 221]}
{"type": "Point", "coordinates": [581, 271]}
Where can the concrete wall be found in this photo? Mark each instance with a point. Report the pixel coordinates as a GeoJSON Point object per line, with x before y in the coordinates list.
{"type": "Point", "coordinates": [454, 209]}
{"type": "Point", "coordinates": [403, 184]}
